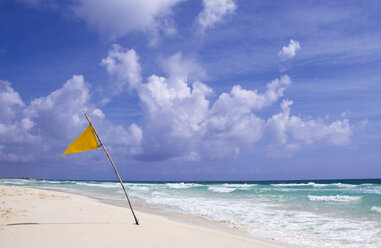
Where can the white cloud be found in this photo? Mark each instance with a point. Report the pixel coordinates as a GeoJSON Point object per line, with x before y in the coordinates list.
{"type": "Point", "coordinates": [10, 102]}
{"type": "Point", "coordinates": [214, 11]}
{"type": "Point", "coordinates": [123, 65]}
{"type": "Point", "coordinates": [125, 143]}
{"type": "Point", "coordinates": [232, 121]}
{"type": "Point", "coordinates": [45, 127]}
{"type": "Point", "coordinates": [288, 52]}
{"type": "Point", "coordinates": [120, 17]}
{"type": "Point", "coordinates": [292, 131]}
{"type": "Point", "coordinates": [13, 128]}
{"type": "Point", "coordinates": [178, 67]}
{"type": "Point", "coordinates": [97, 112]}
{"type": "Point", "coordinates": [174, 114]}
{"type": "Point", "coordinates": [181, 123]}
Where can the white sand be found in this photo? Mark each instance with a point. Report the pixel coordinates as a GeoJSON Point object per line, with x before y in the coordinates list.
{"type": "Point", "coordinates": [41, 218]}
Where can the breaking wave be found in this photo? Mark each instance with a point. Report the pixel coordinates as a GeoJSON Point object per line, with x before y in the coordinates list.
{"type": "Point", "coordinates": [221, 189]}
{"type": "Point", "coordinates": [376, 209]}
{"type": "Point", "coordinates": [182, 185]}
{"type": "Point", "coordinates": [334, 198]}
{"type": "Point", "coordinates": [299, 184]}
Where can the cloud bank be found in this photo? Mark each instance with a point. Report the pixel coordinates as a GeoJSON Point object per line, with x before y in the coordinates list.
{"type": "Point", "coordinates": [180, 122]}
{"type": "Point", "coordinates": [45, 127]}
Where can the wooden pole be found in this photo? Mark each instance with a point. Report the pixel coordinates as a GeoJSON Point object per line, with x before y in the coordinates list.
{"type": "Point", "coordinates": [116, 172]}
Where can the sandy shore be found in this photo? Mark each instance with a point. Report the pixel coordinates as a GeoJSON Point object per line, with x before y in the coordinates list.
{"type": "Point", "coordinates": [41, 218]}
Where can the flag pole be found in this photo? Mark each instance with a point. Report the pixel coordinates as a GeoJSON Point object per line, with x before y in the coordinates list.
{"type": "Point", "coordinates": [116, 172]}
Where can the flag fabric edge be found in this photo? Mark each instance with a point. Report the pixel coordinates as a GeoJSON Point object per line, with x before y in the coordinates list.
{"type": "Point", "coordinates": [85, 142]}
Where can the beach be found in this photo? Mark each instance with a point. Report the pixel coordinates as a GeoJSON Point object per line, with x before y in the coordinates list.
{"type": "Point", "coordinates": [42, 218]}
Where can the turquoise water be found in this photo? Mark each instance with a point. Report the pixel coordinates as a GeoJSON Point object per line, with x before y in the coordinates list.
{"type": "Point", "coordinates": [341, 213]}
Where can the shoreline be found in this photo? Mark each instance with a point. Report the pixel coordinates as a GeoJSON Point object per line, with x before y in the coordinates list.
{"type": "Point", "coordinates": [197, 221]}
{"type": "Point", "coordinates": [23, 207]}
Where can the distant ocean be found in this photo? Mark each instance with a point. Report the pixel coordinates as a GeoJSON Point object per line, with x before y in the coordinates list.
{"type": "Point", "coordinates": [333, 213]}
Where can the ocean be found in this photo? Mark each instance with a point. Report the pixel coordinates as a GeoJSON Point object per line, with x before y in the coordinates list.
{"type": "Point", "coordinates": [318, 213]}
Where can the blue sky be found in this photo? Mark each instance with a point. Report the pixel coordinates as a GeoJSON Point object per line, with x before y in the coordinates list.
{"type": "Point", "coordinates": [191, 90]}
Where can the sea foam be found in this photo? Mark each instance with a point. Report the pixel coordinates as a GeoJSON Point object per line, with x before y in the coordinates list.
{"type": "Point", "coordinates": [302, 214]}
{"type": "Point", "coordinates": [99, 185]}
{"type": "Point", "coordinates": [182, 185]}
{"type": "Point", "coordinates": [299, 184]}
{"type": "Point", "coordinates": [239, 186]}
{"type": "Point", "coordinates": [376, 209]}
{"type": "Point", "coordinates": [334, 198]}
{"type": "Point", "coordinates": [221, 189]}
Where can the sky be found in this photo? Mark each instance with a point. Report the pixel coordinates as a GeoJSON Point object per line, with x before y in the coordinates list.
{"type": "Point", "coordinates": [191, 90]}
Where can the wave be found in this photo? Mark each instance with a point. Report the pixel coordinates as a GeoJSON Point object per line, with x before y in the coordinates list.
{"type": "Point", "coordinates": [227, 188]}
{"type": "Point", "coordinates": [15, 181]}
{"type": "Point", "coordinates": [58, 182]}
{"type": "Point", "coordinates": [109, 185]}
{"type": "Point", "coordinates": [343, 185]}
{"type": "Point", "coordinates": [240, 186]}
{"type": "Point", "coordinates": [221, 189]}
{"type": "Point", "coordinates": [334, 198]}
{"type": "Point", "coordinates": [143, 188]}
{"type": "Point", "coordinates": [376, 209]}
{"type": "Point", "coordinates": [182, 185]}
{"type": "Point", "coordinates": [298, 184]}
{"type": "Point", "coordinates": [100, 185]}
{"type": "Point", "coordinates": [371, 189]}
{"type": "Point", "coordinates": [316, 185]}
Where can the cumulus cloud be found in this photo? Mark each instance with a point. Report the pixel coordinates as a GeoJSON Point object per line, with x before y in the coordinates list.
{"type": "Point", "coordinates": [288, 52]}
{"type": "Point", "coordinates": [43, 128]}
{"type": "Point", "coordinates": [14, 129]}
{"type": "Point", "coordinates": [180, 121]}
{"type": "Point", "coordinates": [123, 65]}
{"type": "Point", "coordinates": [214, 11]}
{"type": "Point", "coordinates": [174, 115]}
{"type": "Point", "coordinates": [247, 100]}
{"type": "Point", "coordinates": [178, 67]}
{"type": "Point", "coordinates": [292, 131]}
{"type": "Point", "coordinates": [120, 17]}
{"type": "Point", "coordinates": [10, 102]}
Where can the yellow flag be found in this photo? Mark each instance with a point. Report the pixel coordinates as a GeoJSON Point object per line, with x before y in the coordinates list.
{"type": "Point", "coordinates": [85, 142]}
